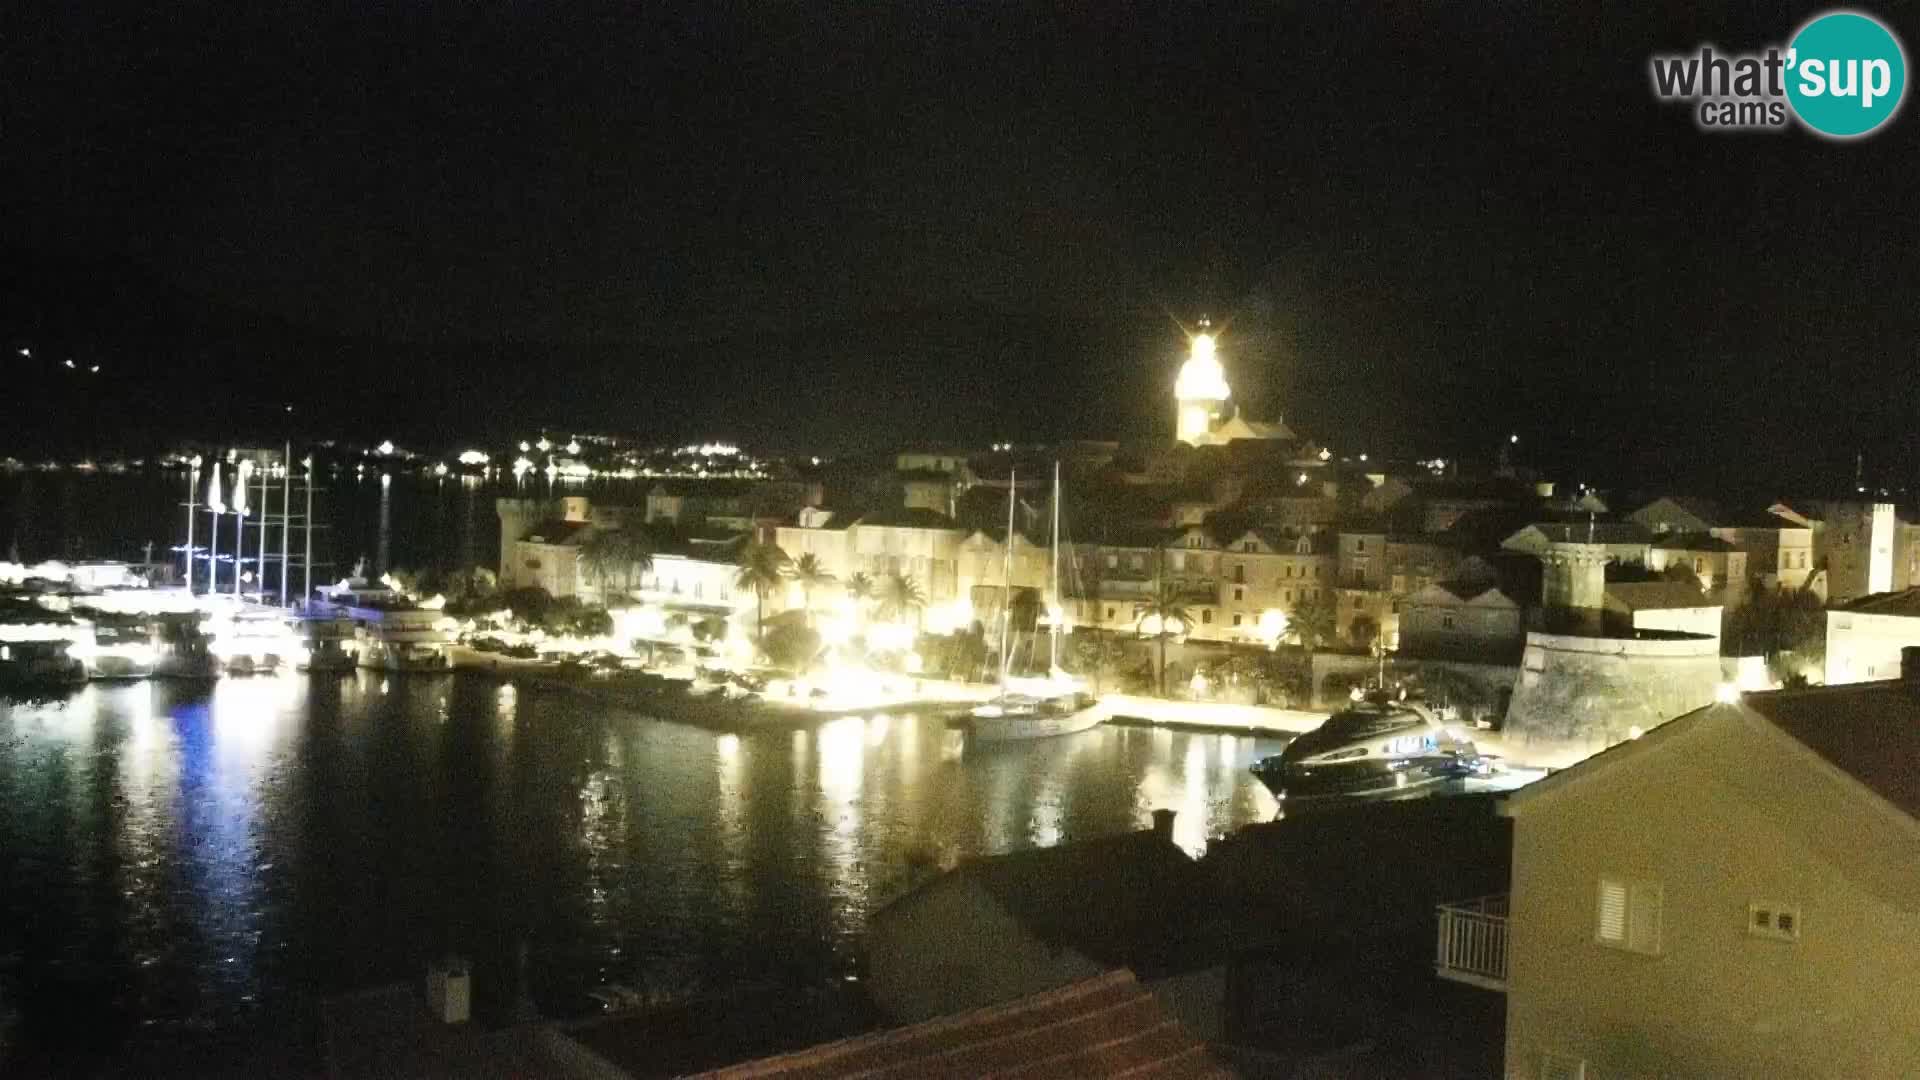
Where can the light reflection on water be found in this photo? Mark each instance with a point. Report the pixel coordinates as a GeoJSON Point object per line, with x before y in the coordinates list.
{"type": "Point", "coordinates": [180, 859]}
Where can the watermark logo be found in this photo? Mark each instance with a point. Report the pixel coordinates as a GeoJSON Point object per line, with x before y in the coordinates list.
{"type": "Point", "coordinates": [1842, 75]}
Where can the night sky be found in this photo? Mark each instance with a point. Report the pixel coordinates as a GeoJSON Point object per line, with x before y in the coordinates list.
{"type": "Point", "coordinates": [801, 225]}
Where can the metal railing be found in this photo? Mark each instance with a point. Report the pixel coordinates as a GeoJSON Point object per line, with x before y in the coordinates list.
{"type": "Point", "coordinates": [1471, 945]}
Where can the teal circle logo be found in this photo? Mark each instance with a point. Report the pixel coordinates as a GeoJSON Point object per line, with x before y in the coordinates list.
{"type": "Point", "coordinates": [1846, 74]}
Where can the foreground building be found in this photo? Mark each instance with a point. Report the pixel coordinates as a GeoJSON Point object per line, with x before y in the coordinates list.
{"type": "Point", "coordinates": [1105, 1025]}
{"type": "Point", "coordinates": [1000, 928]}
{"type": "Point", "coordinates": [1735, 894]}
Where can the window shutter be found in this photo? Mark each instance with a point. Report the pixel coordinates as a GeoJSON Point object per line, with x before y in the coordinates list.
{"type": "Point", "coordinates": [1612, 925]}
{"type": "Point", "coordinates": [1644, 919]}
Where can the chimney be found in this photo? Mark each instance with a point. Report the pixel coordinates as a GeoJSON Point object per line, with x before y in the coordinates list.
{"type": "Point", "coordinates": [1163, 825]}
{"type": "Point", "coordinates": [1910, 665]}
{"type": "Point", "coordinates": [450, 990]}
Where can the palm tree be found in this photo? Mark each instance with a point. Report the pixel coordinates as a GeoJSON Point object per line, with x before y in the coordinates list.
{"type": "Point", "coordinates": [762, 566]}
{"type": "Point", "coordinates": [473, 583]}
{"type": "Point", "coordinates": [617, 551]}
{"type": "Point", "coordinates": [811, 575]}
{"type": "Point", "coordinates": [900, 594]}
{"type": "Point", "coordinates": [597, 558]}
{"type": "Point", "coordinates": [1165, 608]}
{"type": "Point", "coordinates": [859, 587]}
{"type": "Point", "coordinates": [639, 551]}
{"type": "Point", "coordinates": [1312, 621]}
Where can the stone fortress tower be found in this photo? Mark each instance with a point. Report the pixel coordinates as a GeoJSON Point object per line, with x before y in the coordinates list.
{"type": "Point", "coordinates": [1859, 540]}
{"type": "Point", "coordinates": [517, 518]}
{"type": "Point", "coordinates": [1573, 583]}
{"type": "Point", "coordinates": [1584, 686]}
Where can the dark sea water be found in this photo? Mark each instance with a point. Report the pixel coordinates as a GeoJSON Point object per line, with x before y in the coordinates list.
{"type": "Point", "coordinates": [189, 869]}
{"type": "Point", "coordinates": [187, 866]}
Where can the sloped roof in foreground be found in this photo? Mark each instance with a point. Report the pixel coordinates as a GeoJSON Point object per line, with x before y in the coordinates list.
{"type": "Point", "coordinates": [1139, 877]}
{"type": "Point", "coordinates": [1108, 1025]}
{"type": "Point", "coordinates": [1870, 731]}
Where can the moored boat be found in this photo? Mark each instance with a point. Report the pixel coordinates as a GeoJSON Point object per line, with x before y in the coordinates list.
{"type": "Point", "coordinates": [1058, 705]}
{"type": "Point", "coordinates": [1016, 716]}
{"type": "Point", "coordinates": [39, 664]}
{"type": "Point", "coordinates": [391, 632]}
{"type": "Point", "coordinates": [1378, 745]}
{"type": "Point", "coordinates": [182, 649]}
{"type": "Point", "coordinates": [331, 644]}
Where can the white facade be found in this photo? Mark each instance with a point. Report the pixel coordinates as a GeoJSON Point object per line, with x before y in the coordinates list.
{"type": "Point", "coordinates": [1863, 646]}
{"type": "Point", "coordinates": [930, 554]}
{"type": "Point", "coordinates": [682, 581]}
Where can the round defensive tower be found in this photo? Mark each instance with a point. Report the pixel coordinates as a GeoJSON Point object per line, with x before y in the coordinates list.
{"type": "Point", "coordinates": [517, 518]}
{"type": "Point", "coordinates": [1585, 684]}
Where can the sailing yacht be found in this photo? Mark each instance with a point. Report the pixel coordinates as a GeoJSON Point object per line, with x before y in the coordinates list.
{"type": "Point", "coordinates": [1056, 705]}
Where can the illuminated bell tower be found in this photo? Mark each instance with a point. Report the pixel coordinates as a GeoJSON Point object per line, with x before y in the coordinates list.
{"type": "Point", "coordinates": [1200, 394]}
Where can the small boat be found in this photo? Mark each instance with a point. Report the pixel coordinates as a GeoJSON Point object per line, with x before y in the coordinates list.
{"type": "Point", "coordinates": [1019, 716]}
{"type": "Point", "coordinates": [182, 649]}
{"type": "Point", "coordinates": [39, 665]}
{"type": "Point", "coordinates": [1377, 746]}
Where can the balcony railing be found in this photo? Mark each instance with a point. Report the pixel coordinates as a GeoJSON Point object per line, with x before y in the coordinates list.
{"type": "Point", "coordinates": [1471, 944]}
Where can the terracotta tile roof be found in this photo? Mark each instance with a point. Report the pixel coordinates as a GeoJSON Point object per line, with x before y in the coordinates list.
{"type": "Point", "coordinates": [1904, 602]}
{"type": "Point", "coordinates": [710, 1033]}
{"type": "Point", "coordinates": [1108, 1025]}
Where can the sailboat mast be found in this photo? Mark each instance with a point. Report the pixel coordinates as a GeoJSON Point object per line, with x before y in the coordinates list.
{"type": "Point", "coordinates": [306, 528]}
{"type": "Point", "coordinates": [1053, 615]}
{"type": "Point", "coordinates": [1006, 609]}
{"type": "Point", "coordinates": [286, 520]}
{"type": "Point", "coordinates": [193, 481]}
